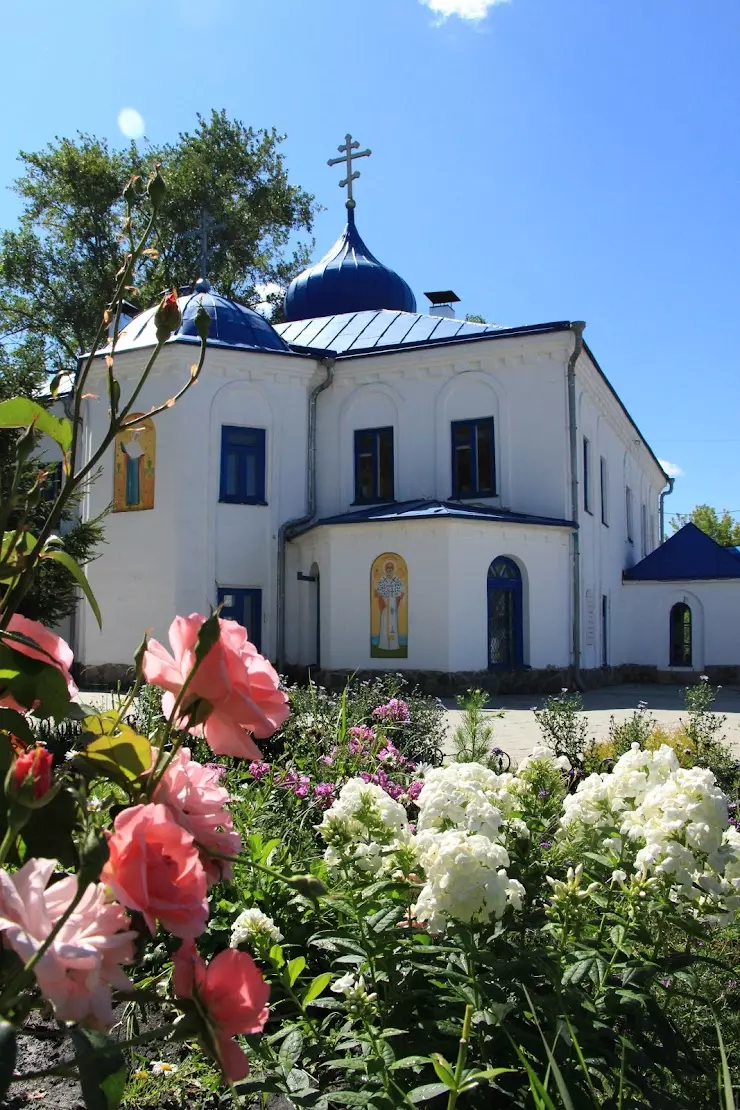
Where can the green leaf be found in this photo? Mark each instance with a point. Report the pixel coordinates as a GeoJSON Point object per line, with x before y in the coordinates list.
{"type": "Point", "coordinates": [31, 681]}
{"type": "Point", "coordinates": [729, 1098]}
{"type": "Point", "coordinates": [17, 725]}
{"type": "Point", "coordinates": [294, 969]}
{"type": "Point", "coordinates": [443, 1070]}
{"type": "Point", "coordinates": [116, 751]}
{"type": "Point", "coordinates": [79, 576]}
{"type": "Point", "coordinates": [8, 1053]}
{"type": "Point", "coordinates": [409, 1062]}
{"type": "Point", "coordinates": [20, 412]}
{"type": "Point", "coordinates": [316, 987]}
{"type": "Point", "coordinates": [290, 1051]}
{"type": "Point", "coordinates": [49, 832]}
{"type": "Point", "coordinates": [428, 1091]}
{"type": "Point", "coordinates": [350, 1098]}
{"type": "Point", "coordinates": [102, 1068]}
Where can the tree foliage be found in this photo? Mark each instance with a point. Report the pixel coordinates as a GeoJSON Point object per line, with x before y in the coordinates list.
{"type": "Point", "coordinates": [57, 268]}
{"type": "Point", "coordinates": [722, 528]}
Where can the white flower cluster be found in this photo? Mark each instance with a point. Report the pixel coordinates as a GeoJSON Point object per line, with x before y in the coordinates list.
{"type": "Point", "coordinates": [466, 796]}
{"type": "Point", "coordinates": [256, 928]}
{"type": "Point", "coordinates": [671, 821]}
{"type": "Point", "coordinates": [466, 879]}
{"type": "Point", "coordinates": [364, 827]}
{"type": "Point", "coordinates": [541, 755]}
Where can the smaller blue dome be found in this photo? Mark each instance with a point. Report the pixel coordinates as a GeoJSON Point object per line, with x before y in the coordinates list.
{"type": "Point", "coordinates": [232, 324]}
{"type": "Point", "coordinates": [347, 279]}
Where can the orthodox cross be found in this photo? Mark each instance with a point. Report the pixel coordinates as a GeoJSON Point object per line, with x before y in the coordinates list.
{"type": "Point", "coordinates": [348, 157]}
{"type": "Point", "coordinates": [207, 224]}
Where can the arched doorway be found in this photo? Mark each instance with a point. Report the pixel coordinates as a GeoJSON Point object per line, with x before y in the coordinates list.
{"type": "Point", "coordinates": [505, 626]}
{"type": "Point", "coordinates": [680, 634]}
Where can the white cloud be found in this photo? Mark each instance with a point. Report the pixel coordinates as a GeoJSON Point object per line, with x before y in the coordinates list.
{"type": "Point", "coordinates": [263, 306]}
{"type": "Point", "coordinates": [673, 470]}
{"type": "Point", "coordinates": [131, 123]}
{"type": "Point", "coordinates": [474, 10]}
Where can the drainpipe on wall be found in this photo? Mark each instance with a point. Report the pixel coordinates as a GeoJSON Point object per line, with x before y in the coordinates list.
{"type": "Point", "coordinates": [663, 494]}
{"type": "Point", "coordinates": [292, 528]}
{"type": "Point", "coordinates": [577, 328]}
{"type": "Point", "coordinates": [68, 406]}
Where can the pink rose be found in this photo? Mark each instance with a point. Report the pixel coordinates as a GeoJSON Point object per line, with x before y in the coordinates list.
{"type": "Point", "coordinates": [196, 801]}
{"type": "Point", "coordinates": [239, 684]}
{"type": "Point", "coordinates": [154, 867]}
{"type": "Point", "coordinates": [83, 962]}
{"type": "Point", "coordinates": [55, 651]}
{"type": "Point", "coordinates": [233, 996]}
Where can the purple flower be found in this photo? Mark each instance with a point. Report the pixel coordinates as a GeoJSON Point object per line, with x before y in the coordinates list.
{"type": "Point", "coordinates": [258, 770]}
{"type": "Point", "coordinates": [324, 792]}
{"type": "Point", "coordinates": [544, 794]}
{"type": "Point", "coordinates": [415, 789]}
{"type": "Point", "coordinates": [326, 759]}
{"type": "Point", "coordinates": [396, 711]}
{"type": "Point", "coordinates": [545, 844]}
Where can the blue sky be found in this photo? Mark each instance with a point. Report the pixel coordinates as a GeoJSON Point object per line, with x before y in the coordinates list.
{"type": "Point", "coordinates": [546, 159]}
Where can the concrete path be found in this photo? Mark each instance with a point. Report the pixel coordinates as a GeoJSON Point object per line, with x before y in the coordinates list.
{"type": "Point", "coordinates": [517, 732]}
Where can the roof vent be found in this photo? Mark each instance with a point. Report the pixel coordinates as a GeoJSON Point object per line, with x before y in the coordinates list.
{"type": "Point", "coordinates": [442, 302]}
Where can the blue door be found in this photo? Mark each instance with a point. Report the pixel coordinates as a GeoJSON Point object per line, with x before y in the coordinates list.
{"type": "Point", "coordinates": [245, 607]}
{"type": "Point", "coordinates": [505, 639]}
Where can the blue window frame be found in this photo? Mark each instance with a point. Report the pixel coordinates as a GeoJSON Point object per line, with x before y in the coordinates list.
{"type": "Point", "coordinates": [244, 607]}
{"type": "Point", "coordinates": [505, 621]}
{"type": "Point", "coordinates": [586, 474]}
{"type": "Point", "coordinates": [242, 465]}
{"type": "Point", "coordinates": [473, 458]}
{"type": "Point", "coordinates": [373, 465]}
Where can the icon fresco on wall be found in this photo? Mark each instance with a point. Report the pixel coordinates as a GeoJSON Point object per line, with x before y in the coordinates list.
{"type": "Point", "coordinates": [389, 601]}
{"type": "Point", "coordinates": [135, 461]}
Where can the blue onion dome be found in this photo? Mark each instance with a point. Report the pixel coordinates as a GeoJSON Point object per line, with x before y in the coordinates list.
{"type": "Point", "coordinates": [347, 279]}
{"type": "Point", "coordinates": [232, 324]}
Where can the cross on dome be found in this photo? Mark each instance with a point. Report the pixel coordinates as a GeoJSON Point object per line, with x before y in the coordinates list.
{"type": "Point", "coordinates": [207, 224]}
{"type": "Point", "coordinates": [348, 156]}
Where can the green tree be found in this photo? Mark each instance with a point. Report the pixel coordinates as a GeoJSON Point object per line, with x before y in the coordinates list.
{"type": "Point", "coordinates": [57, 269]}
{"type": "Point", "coordinates": [58, 266]}
{"type": "Point", "coordinates": [724, 529]}
{"type": "Point", "coordinates": [475, 318]}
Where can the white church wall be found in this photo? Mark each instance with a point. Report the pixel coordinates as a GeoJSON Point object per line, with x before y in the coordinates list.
{"type": "Point", "coordinates": [520, 382]}
{"type": "Point", "coordinates": [170, 559]}
{"type": "Point", "coordinates": [605, 548]}
{"type": "Point", "coordinates": [715, 617]}
{"type": "Point", "coordinates": [448, 564]}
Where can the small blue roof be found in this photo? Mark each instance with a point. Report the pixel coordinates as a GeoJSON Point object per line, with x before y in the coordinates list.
{"type": "Point", "coordinates": [434, 510]}
{"type": "Point", "coordinates": [689, 555]}
{"type": "Point", "coordinates": [232, 325]}
{"type": "Point", "coordinates": [347, 279]}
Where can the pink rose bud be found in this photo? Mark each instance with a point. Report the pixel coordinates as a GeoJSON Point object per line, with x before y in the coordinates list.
{"type": "Point", "coordinates": [32, 772]}
{"type": "Point", "coordinates": [167, 318]}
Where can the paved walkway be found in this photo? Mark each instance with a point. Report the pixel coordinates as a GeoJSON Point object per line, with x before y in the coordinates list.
{"type": "Point", "coordinates": [517, 731]}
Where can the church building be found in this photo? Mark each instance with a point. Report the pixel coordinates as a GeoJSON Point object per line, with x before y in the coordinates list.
{"type": "Point", "coordinates": [366, 486]}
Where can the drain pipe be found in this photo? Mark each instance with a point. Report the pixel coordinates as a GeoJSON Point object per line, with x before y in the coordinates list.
{"type": "Point", "coordinates": [291, 528]}
{"type": "Point", "coordinates": [663, 494]}
{"type": "Point", "coordinates": [577, 328]}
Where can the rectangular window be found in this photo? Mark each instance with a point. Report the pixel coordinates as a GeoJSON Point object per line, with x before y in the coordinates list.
{"type": "Point", "coordinates": [244, 607]}
{"type": "Point", "coordinates": [243, 465]}
{"type": "Point", "coordinates": [604, 490]}
{"type": "Point", "coordinates": [630, 526]}
{"type": "Point", "coordinates": [373, 465]}
{"type": "Point", "coordinates": [586, 475]}
{"type": "Point", "coordinates": [643, 530]}
{"type": "Point", "coordinates": [473, 458]}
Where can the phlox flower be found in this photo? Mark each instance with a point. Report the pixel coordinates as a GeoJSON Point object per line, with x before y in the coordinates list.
{"type": "Point", "coordinates": [466, 796]}
{"type": "Point", "coordinates": [254, 926]}
{"type": "Point", "coordinates": [466, 879]}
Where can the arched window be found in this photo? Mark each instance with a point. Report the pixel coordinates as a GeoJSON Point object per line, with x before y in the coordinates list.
{"type": "Point", "coordinates": [505, 639]}
{"type": "Point", "coordinates": [680, 632]}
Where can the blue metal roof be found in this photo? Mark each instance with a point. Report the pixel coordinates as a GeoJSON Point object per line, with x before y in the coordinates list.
{"type": "Point", "coordinates": [689, 554]}
{"type": "Point", "coordinates": [232, 325]}
{"type": "Point", "coordinates": [378, 330]}
{"type": "Point", "coordinates": [349, 278]}
{"type": "Point", "coordinates": [434, 510]}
